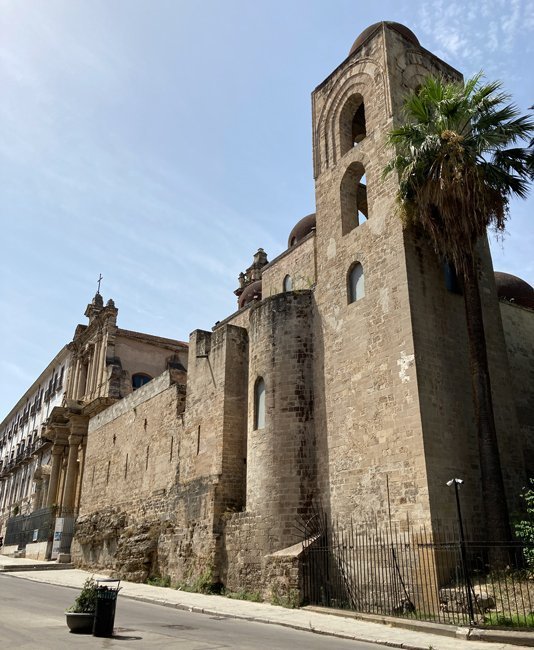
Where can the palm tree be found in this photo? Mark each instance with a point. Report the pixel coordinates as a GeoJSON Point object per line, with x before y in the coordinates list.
{"type": "Point", "coordinates": [459, 161]}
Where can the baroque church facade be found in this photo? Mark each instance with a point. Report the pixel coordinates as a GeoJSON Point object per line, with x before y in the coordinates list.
{"type": "Point", "coordinates": [340, 384]}
{"type": "Point", "coordinates": [43, 439]}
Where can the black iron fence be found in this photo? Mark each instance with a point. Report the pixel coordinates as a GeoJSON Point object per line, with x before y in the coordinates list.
{"type": "Point", "coordinates": [425, 575]}
{"type": "Point", "coordinates": [35, 527]}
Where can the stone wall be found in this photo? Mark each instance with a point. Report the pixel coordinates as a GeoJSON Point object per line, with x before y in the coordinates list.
{"type": "Point", "coordinates": [297, 262]}
{"type": "Point", "coordinates": [367, 415]}
{"type": "Point", "coordinates": [130, 472]}
{"type": "Point", "coordinates": [132, 446]}
{"type": "Point", "coordinates": [442, 361]}
{"type": "Point", "coordinates": [394, 415]}
{"type": "Point", "coordinates": [518, 325]}
{"type": "Point", "coordinates": [239, 318]}
{"type": "Point", "coordinates": [281, 476]}
{"type": "Point", "coordinates": [281, 455]}
{"type": "Point", "coordinates": [174, 465]}
{"type": "Point", "coordinates": [143, 356]}
{"type": "Point", "coordinates": [215, 424]}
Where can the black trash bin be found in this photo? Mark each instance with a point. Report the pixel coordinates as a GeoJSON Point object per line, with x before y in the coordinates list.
{"type": "Point", "coordinates": [106, 602]}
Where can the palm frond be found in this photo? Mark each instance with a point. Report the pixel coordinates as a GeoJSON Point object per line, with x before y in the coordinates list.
{"type": "Point", "coordinates": [458, 162]}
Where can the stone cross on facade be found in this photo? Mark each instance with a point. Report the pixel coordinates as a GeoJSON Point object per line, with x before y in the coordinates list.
{"type": "Point", "coordinates": [100, 278]}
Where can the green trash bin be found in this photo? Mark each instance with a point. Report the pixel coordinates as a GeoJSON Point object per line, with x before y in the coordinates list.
{"type": "Point", "coordinates": [106, 603]}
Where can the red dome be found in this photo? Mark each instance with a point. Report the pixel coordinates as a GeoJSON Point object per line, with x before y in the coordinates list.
{"type": "Point", "coordinates": [514, 289]}
{"type": "Point", "coordinates": [301, 229]}
{"type": "Point", "coordinates": [402, 29]}
{"type": "Point", "coordinates": [251, 292]}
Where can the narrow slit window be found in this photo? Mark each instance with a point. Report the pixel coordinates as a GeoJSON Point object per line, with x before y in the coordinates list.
{"type": "Point", "coordinates": [259, 404]}
{"type": "Point", "coordinates": [288, 283]}
{"type": "Point", "coordinates": [356, 283]}
{"type": "Point", "coordinates": [452, 282]}
{"type": "Point", "coordinates": [361, 201]}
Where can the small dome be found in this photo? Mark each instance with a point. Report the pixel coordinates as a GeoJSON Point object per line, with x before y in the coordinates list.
{"type": "Point", "coordinates": [514, 289]}
{"type": "Point", "coordinates": [251, 292]}
{"type": "Point", "coordinates": [407, 33]}
{"type": "Point", "coordinates": [301, 229]}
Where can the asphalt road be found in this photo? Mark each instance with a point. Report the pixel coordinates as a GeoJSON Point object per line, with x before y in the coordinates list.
{"type": "Point", "coordinates": [32, 617]}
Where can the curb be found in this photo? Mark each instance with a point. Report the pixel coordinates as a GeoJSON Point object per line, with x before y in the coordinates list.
{"type": "Point", "coordinates": [293, 626]}
{"type": "Point", "coordinates": [11, 568]}
{"type": "Point", "coordinates": [460, 633]}
{"type": "Point", "coordinates": [510, 637]}
{"type": "Point", "coordinates": [414, 625]}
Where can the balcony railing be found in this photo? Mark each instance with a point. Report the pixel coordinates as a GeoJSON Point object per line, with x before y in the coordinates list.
{"type": "Point", "coordinates": [23, 456]}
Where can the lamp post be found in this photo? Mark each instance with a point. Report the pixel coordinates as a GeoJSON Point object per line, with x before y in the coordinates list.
{"type": "Point", "coordinates": [469, 592]}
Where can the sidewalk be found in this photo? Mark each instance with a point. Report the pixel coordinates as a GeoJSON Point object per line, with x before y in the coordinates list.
{"type": "Point", "coordinates": [302, 619]}
{"type": "Point", "coordinates": [13, 564]}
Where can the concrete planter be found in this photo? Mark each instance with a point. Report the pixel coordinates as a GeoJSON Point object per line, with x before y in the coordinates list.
{"type": "Point", "coordinates": [80, 623]}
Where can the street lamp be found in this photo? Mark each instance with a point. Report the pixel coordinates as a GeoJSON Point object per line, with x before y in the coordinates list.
{"type": "Point", "coordinates": [469, 592]}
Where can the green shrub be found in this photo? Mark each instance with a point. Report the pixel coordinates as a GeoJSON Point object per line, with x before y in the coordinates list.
{"type": "Point", "coordinates": [159, 581]}
{"type": "Point", "coordinates": [202, 584]}
{"type": "Point", "coordinates": [289, 598]}
{"type": "Point", "coordinates": [524, 529]}
{"type": "Point", "coordinates": [85, 603]}
{"type": "Point", "coordinates": [242, 594]}
{"type": "Point", "coordinates": [509, 620]}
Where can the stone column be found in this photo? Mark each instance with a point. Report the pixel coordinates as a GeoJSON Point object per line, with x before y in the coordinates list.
{"type": "Point", "coordinates": [57, 456]}
{"type": "Point", "coordinates": [61, 488]}
{"type": "Point", "coordinates": [37, 495]}
{"type": "Point", "coordinates": [89, 383]}
{"type": "Point", "coordinates": [69, 492]}
{"type": "Point", "coordinates": [82, 380]}
{"type": "Point", "coordinates": [94, 369]}
{"type": "Point", "coordinates": [98, 365]}
{"type": "Point", "coordinates": [76, 381]}
{"type": "Point", "coordinates": [81, 466]}
{"type": "Point", "coordinates": [69, 380]}
{"type": "Point", "coordinates": [102, 366]}
{"type": "Point", "coordinates": [44, 492]}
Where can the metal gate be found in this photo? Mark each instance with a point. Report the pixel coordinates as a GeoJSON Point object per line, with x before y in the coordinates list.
{"type": "Point", "coordinates": [35, 527]}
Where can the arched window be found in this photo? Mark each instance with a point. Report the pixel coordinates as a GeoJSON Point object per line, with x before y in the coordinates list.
{"type": "Point", "coordinates": [140, 379]}
{"type": "Point", "coordinates": [355, 283]}
{"type": "Point", "coordinates": [353, 198]}
{"type": "Point", "coordinates": [288, 283]}
{"type": "Point", "coordinates": [259, 404]}
{"type": "Point", "coordinates": [352, 128]}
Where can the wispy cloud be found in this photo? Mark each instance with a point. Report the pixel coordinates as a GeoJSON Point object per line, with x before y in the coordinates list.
{"type": "Point", "coordinates": [461, 33]}
{"type": "Point", "coordinates": [16, 371]}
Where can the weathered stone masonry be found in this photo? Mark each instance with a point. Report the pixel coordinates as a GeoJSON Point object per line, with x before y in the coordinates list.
{"type": "Point", "coordinates": [314, 394]}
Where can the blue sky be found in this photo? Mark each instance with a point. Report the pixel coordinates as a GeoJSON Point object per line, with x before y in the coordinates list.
{"type": "Point", "coordinates": [161, 142]}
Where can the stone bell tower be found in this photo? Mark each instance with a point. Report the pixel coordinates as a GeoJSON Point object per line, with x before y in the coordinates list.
{"type": "Point", "coordinates": [393, 409]}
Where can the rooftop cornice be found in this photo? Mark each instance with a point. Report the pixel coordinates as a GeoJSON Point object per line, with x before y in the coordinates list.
{"type": "Point", "coordinates": [60, 357]}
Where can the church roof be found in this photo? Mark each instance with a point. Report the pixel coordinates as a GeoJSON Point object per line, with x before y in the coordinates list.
{"type": "Point", "coordinates": [369, 31]}
{"type": "Point", "coordinates": [514, 289]}
{"type": "Point", "coordinates": [251, 292]}
{"type": "Point", "coordinates": [301, 229]}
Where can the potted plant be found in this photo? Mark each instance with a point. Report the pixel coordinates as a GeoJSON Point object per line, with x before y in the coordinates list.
{"type": "Point", "coordinates": [81, 615]}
